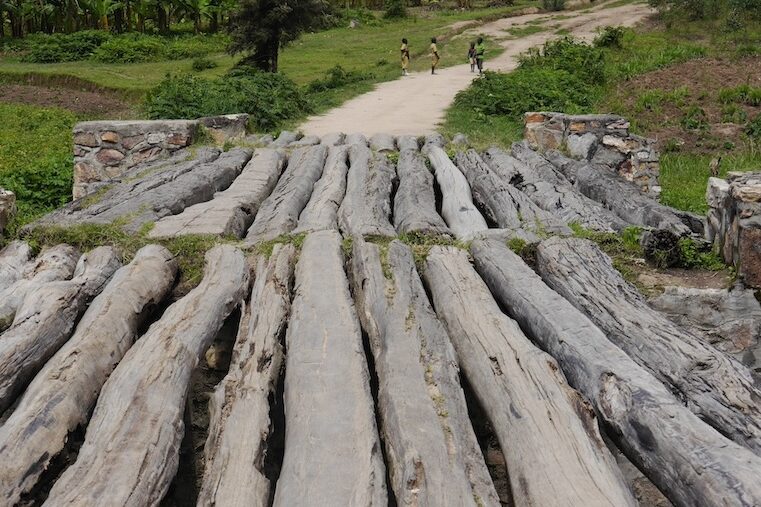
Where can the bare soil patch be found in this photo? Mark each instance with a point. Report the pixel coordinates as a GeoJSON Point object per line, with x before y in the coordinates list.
{"type": "Point", "coordinates": [80, 102]}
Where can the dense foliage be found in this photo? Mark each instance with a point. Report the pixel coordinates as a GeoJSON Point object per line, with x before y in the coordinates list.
{"type": "Point", "coordinates": [734, 10]}
{"type": "Point", "coordinates": [270, 98]}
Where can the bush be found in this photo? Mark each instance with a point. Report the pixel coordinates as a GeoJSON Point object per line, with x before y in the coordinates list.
{"type": "Point", "coordinates": [195, 46]}
{"type": "Point", "coordinates": [753, 129]}
{"type": "Point", "coordinates": [65, 47]}
{"type": "Point", "coordinates": [553, 5]}
{"type": "Point", "coordinates": [269, 98]}
{"type": "Point", "coordinates": [337, 77]}
{"type": "Point", "coordinates": [202, 63]}
{"type": "Point", "coordinates": [395, 9]}
{"type": "Point", "coordinates": [131, 48]}
{"type": "Point", "coordinates": [581, 60]}
{"type": "Point", "coordinates": [610, 37]}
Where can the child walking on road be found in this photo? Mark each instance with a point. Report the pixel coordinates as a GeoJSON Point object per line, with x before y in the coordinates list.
{"type": "Point", "coordinates": [405, 57]}
{"type": "Point", "coordinates": [480, 50]}
{"type": "Point", "coordinates": [472, 56]}
{"type": "Point", "coordinates": [434, 55]}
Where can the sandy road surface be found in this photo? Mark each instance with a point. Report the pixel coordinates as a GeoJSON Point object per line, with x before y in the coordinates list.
{"type": "Point", "coordinates": [426, 97]}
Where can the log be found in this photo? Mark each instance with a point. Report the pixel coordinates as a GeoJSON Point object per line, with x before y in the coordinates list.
{"type": "Point", "coordinates": [46, 318]}
{"type": "Point", "coordinates": [305, 141]}
{"type": "Point", "coordinates": [285, 138]}
{"type": "Point", "coordinates": [434, 140]}
{"type": "Point", "coordinates": [279, 213]}
{"type": "Point", "coordinates": [502, 203]}
{"type": "Point", "coordinates": [382, 143]}
{"type": "Point", "coordinates": [552, 446]}
{"type": "Point", "coordinates": [533, 174]}
{"type": "Point", "coordinates": [415, 200]}
{"type": "Point", "coordinates": [714, 386]}
{"type": "Point", "coordinates": [333, 139]}
{"type": "Point", "coordinates": [56, 263]}
{"type": "Point", "coordinates": [407, 143]}
{"type": "Point", "coordinates": [332, 451]}
{"type": "Point", "coordinates": [432, 453]}
{"type": "Point", "coordinates": [239, 423]}
{"type": "Point", "coordinates": [655, 431]}
{"type": "Point", "coordinates": [355, 138]}
{"type": "Point", "coordinates": [231, 211]}
{"type": "Point", "coordinates": [457, 207]}
{"type": "Point", "coordinates": [366, 207]}
{"type": "Point", "coordinates": [61, 396]}
{"type": "Point", "coordinates": [321, 211]}
{"type": "Point", "coordinates": [131, 448]}
{"type": "Point", "coordinates": [13, 258]}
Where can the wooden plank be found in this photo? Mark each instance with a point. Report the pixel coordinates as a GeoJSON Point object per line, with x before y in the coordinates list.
{"type": "Point", "coordinates": [62, 394]}
{"type": "Point", "coordinates": [653, 428]}
{"type": "Point", "coordinates": [239, 423]}
{"type": "Point", "coordinates": [716, 387]}
{"type": "Point", "coordinates": [548, 434]}
{"type": "Point", "coordinates": [332, 450]}
{"type": "Point", "coordinates": [131, 448]}
{"type": "Point", "coordinates": [432, 452]}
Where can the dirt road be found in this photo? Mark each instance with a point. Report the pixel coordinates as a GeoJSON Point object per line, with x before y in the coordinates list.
{"type": "Point", "coordinates": [426, 97]}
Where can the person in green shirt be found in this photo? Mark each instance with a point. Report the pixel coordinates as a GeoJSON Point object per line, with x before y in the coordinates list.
{"type": "Point", "coordinates": [434, 55]}
{"type": "Point", "coordinates": [480, 50]}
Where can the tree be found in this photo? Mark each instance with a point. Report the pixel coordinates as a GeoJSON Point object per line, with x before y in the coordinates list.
{"type": "Point", "coordinates": [261, 27]}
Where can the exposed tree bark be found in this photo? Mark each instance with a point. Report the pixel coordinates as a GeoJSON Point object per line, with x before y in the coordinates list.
{"type": "Point", "coordinates": [382, 143]}
{"type": "Point", "coordinates": [56, 263]}
{"type": "Point", "coordinates": [285, 138]}
{"type": "Point", "coordinates": [45, 319]}
{"type": "Point", "coordinates": [366, 208]}
{"type": "Point", "coordinates": [62, 394]}
{"type": "Point", "coordinates": [321, 211]}
{"type": "Point", "coordinates": [501, 202]}
{"type": "Point", "coordinates": [131, 448]}
{"type": "Point", "coordinates": [457, 207]}
{"type": "Point", "coordinates": [434, 140]}
{"type": "Point", "coordinates": [553, 449]}
{"type": "Point", "coordinates": [333, 139]}
{"type": "Point", "coordinates": [667, 441]}
{"type": "Point", "coordinates": [432, 452]}
{"type": "Point", "coordinates": [231, 211]}
{"type": "Point", "coordinates": [407, 143]}
{"type": "Point", "coordinates": [714, 386]}
{"type": "Point", "coordinates": [415, 200]}
{"type": "Point", "coordinates": [279, 213]}
{"type": "Point", "coordinates": [310, 140]}
{"type": "Point", "coordinates": [13, 258]}
{"type": "Point", "coordinates": [239, 423]}
{"type": "Point", "coordinates": [355, 139]}
{"type": "Point", "coordinates": [332, 450]}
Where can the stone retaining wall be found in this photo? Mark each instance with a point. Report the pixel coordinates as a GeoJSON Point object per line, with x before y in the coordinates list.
{"type": "Point", "coordinates": [734, 222]}
{"type": "Point", "coordinates": [600, 138]}
{"type": "Point", "coordinates": [104, 150]}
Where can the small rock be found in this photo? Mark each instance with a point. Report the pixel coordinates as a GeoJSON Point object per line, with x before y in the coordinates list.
{"type": "Point", "coordinates": [581, 147]}
{"type": "Point", "coordinates": [85, 173]}
{"type": "Point", "coordinates": [86, 139]}
{"type": "Point", "coordinates": [178, 140]}
{"type": "Point", "coordinates": [109, 156]}
{"type": "Point", "coordinates": [354, 23]}
{"type": "Point", "coordinates": [132, 141]}
{"type": "Point", "coordinates": [156, 137]}
{"type": "Point", "coordinates": [109, 137]}
{"type": "Point", "coordinates": [717, 191]}
{"type": "Point", "coordinates": [145, 155]}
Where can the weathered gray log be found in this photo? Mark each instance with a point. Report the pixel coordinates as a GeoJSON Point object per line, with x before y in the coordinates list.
{"type": "Point", "coordinates": [667, 441]}
{"type": "Point", "coordinates": [434, 139]}
{"type": "Point", "coordinates": [332, 450]}
{"type": "Point", "coordinates": [279, 213]}
{"type": "Point", "coordinates": [366, 207]}
{"type": "Point", "coordinates": [333, 139]}
{"type": "Point", "coordinates": [61, 396]}
{"type": "Point", "coordinates": [415, 200]}
{"type": "Point", "coordinates": [567, 166]}
{"type": "Point", "coordinates": [553, 449]}
{"type": "Point", "coordinates": [231, 211]}
{"type": "Point", "coordinates": [285, 138]}
{"type": "Point", "coordinates": [382, 142]}
{"type": "Point", "coordinates": [131, 448]}
{"type": "Point", "coordinates": [56, 263]}
{"type": "Point", "coordinates": [407, 143]}
{"type": "Point", "coordinates": [321, 211]}
{"type": "Point", "coordinates": [502, 203]}
{"type": "Point", "coordinates": [355, 138]}
{"type": "Point", "coordinates": [156, 195]}
{"type": "Point", "coordinates": [432, 452]}
{"type": "Point", "coordinates": [13, 258]}
{"type": "Point", "coordinates": [550, 190]}
{"type": "Point", "coordinates": [305, 141]}
{"type": "Point", "coordinates": [45, 319]}
{"type": "Point", "coordinates": [714, 386]}
{"type": "Point", "coordinates": [457, 207]}
{"type": "Point", "coordinates": [239, 423]}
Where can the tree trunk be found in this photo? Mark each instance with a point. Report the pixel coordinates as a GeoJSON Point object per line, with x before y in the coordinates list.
{"type": "Point", "coordinates": [239, 423]}
{"type": "Point", "coordinates": [415, 199]}
{"type": "Point", "coordinates": [501, 202]}
{"type": "Point", "coordinates": [432, 452]}
{"type": "Point", "coordinates": [46, 318]}
{"type": "Point", "coordinates": [131, 448]}
{"type": "Point", "coordinates": [714, 386]}
{"type": "Point", "coordinates": [332, 450]}
{"type": "Point", "coordinates": [56, 263]}
{"type": "Point", "coordinates": [382, 143]}
{"type": "Point", "coordinates": [321, 211]}
{"type": "Point", "coordinates": [366, 208]}
{"type": "Point", "coordinates": [333, 139]}
{"type": "Point", "coordinates": [457, 208]}
{"type": "Point", "coordinates": [232, 211]}
{"type": "Point", "coordinates": [553, 449]}
{"type": "Point", "coordinates": [407, 143]}
{"type": "Point", "coordinates": [279, 213]}
{"type": "Point", "coordinates": [62, 394]}
{"type": "Point", "coordinates": [656, 432]}
{"type": "Point", "coordinates": [13, 258]}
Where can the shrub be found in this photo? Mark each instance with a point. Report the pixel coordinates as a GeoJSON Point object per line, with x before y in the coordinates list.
{"type": "Point", "coordinates": [695, 119]}
{"type": "Point", "coordinates": [581, 60]}
{"type": "Point", "coordinates": [753, 129]}
{"type": "Point", "coordinates": [269, 98]}
{"type": "Point", "coordinates": [553, 5]}
{"type": "Point", "coordinates": [195, 46]}
{"type": "Point", "coordinates": [65, 47]}
{"type": "Point", "coordinates": [131, 48]}
{"type": "Point", "coordinates": [610, 37]}
{"type": "Point", "coordinates": [337, 77]}
{"type": "Point", "coordinates": [202, 63]}
{"type": "Point", "coordinates": [395, 9]}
